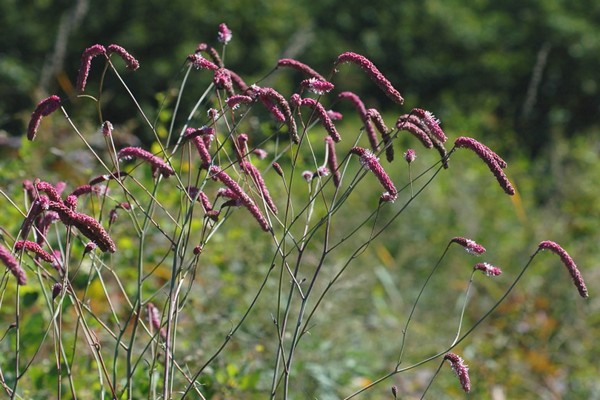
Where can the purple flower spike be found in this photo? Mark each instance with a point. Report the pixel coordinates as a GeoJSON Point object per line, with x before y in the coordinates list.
{"type": "Point", "coordinates": [234, 101]}
{"type": "Point", "coordinates": [44, 108]}
{"type": "Point", "coordinates": [492, 160]}
{"type": "Point", "coordinates": [317, 86]}
{"type": "Point", "coordinates": [470, 245]}
{"type": "Point", "coordinates": [332, 161]}
{"type": "Point", "coordinates": [568, 263]}
{"type": "Point", "coordinates": [200, 62]}
{"type": "Point", "coordinates": [157, 163]}
{"type": "Point", "coordinates": [198, 141]}
{"type": "Point", "coordinates": [154, 319]}
{"type": "Point", "coordinates": [86, 63]}
{"type": "Point", "coordinates": [410, 155]}
{"type": "Point", "coordinates": [432, 123]}
{"type": "Point", "coordinates": [35, 248]}
{"type": "Point", "coordinates": [371, 70]}
{"type": "Point", "coordinates": [225, 34]}
{"type": "Point", "coordinates": [130, 61]}
{"type": "Point", "coordinates": [298, 66]}
{"type": "Point", "coordinates": [487, 269]}
{"type": "Point", "coordinates": [321, 113]}
{"type": "Point", "coordinates": [369, 161]}
{"type": "Point", "coordinates": [258, 180]}
{"type": "Point", "coordinates": [460, 369]}
{"type": "Point", "coordinates": [13, 266]}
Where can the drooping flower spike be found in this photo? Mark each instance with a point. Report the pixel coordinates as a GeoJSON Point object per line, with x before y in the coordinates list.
{"type": "Point", "coordinates": [491, 159]}
{"type": "Point", "coordinates": [130, 60]}
{"type": "Point", "coordinates": [35, 248]}
{"type": "Point", "coordinates": [296, 101]}
{"type": "Point", "coordinates": [369, 161]}
{"type": "Point", "coordinates": [364, 117]}
{"type": "Point", "coordinates": [86, 63]}
{"type": "Point", "coordinates": [488, 269]}
{"type": "Point", "coordinates": [469, 245]}
{"type": "Point", "coordinates": [299, 66]}
{"type": "Point", "coordinates": [371, 70]}
{"type": "Point", "coordinates": [317, 86]}
{"type": "Point", "coordinates": [157, 163]}
{"type": "Point", "coordinates": [200, 62]}
{"type": "Point", "coordinates": [460, 369]}
{"type": "Point", "coordinates": [12, 265]}
{"type": "Point", "coordinates": [43, 109]}
{"type": "Point", "coordinates": [212, 52]}
{"type": "Point", "coordinates": [258, 180]}
{"type": "Point", "coordinates": [568, 263]}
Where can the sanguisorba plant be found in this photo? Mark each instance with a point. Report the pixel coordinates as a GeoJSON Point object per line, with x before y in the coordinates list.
{"type": "Point", "coordinates": [137, 233]}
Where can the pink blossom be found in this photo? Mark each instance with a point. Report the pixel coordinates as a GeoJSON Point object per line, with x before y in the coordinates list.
{"type": "Point", "coordinates": [460, 369]}
{"type": "Point", "coordinates": [157, 163]}
{"type": "Point", "coordinates": [222, 80]}
{"type": "Point", "coordinates": [86, 63]}
{"type": "Point", "coordinates": [13, 266]}
{"type": "Point", "coordinates": [43, 109]}
{"type": "Point", "coordinates": [258, 180]}
{"type": "Point", "coordinates": [317, 86]}
{"type": "Point", "coordinates": [130, 61]}
{"type": "Point", "coordinates": [469, 245]}
{"type": "Point", "coordinates": [371, 70]}
{"type": "Point", "coordinates": [107, 129]}
{"type": "Point", "coordinates": [332, 161]}
{"type": "Point", "coordinates": [193, 135]}
{"type": "Point", "coordinates": [35, 248]}
{"type": "Point", "coordinates": [321, 113]}
{"type": "Point", "coordinates": [417, 131]}
{"type": "Point", "coordinates": [154, 319]}
{"type": "Point", "coordinates": [334, 115]}
{"type": "Point", "coordinates": [225, 34]}
{"type": "Point", "coordinates": [432, 123]}
{"type": "Point", "coordinates": [369, 161]}
{"type": "Point", "coordinates": [568, 263]}
{"type": "Point", "coordinates": [491, 159]}
{"type": "Point", "coordinates": [298, 66]}
{"type": "Point", "coordinates": [410, 155]}
{"type": "Point", "coordinates": [364, 117]}
{"type": "Point", "coordinates": [234, 101]}
{"type": "Point", "coordinates": [487, 269]}
{"type": "Point", "coordinates": [212, 52]}
{"type": "Point", "coordinates": [200, 62]}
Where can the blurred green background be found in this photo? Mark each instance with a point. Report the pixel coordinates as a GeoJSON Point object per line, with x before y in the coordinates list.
{"type": "Point", "coordinates": [521, 76]}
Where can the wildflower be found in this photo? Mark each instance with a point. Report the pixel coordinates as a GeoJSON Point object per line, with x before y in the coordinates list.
{"type": "Point", "coordinates": [389, 148]}
{"type": "Point", "coordinates": [307, 175]}
{"type": "Point", "coordinates": [43, 109]}
{"type": "Point", "coordinates": [296, 101]}
{"type": "Point", "coordinates": [266, 95]}
{"type": "Point", "coordinates": [157, 164]}
{"type": "Point", "coordinates": [56, 289]}
{"type": "Point", "coordinates": [431, 122]}
{"type": "Point", "coordinates": [238, 82]}
{"type": "Point", "coordinates": [34, 247]}
{"type": "Point", "coordinates": [568, 263]}
{"type": "Point", "coordinates": [375, 117]}
{"type": "Point", "coordinates": [37, 207]}
{"type": "Point", "coordinates": [317, 86]}
{"type": "Point", "coordinates": [224, 35]}
{"type": "Point", "coordinates": [222, 80]}
{"type": "Point", "coordinates": [49, 189]}
{"type": "Point", "coordinates": [460, 369]}
{"type": "Point", "coordinates": [222, 176]}
{"type": "Point", "coordinates": [234, 101]}
{"type": "Point", "coordinates": [86, 63]}
{"type": "Point", "coordinates": [58, 263]}
{"type": "Point", "coordinates": [43, 225]}
{"type": "Point", "coordinates": [371, 70]}
{"type": "Point", "coordinates": [258, 180]}
{"type": "Point", "coordinates": [205, 157]}
{"type": "Point", "coordinates": [106, 177]}
{"type": "Point", "coordinates": [87, 225]}
{"type": "Point", "coordinates": [362, 113]}
{"type": "Point", "coordinates": [13, 266]}
{"type": "Point", "coordinates": [322, 171]}
{"type": "Point", "coordinates": [492, 160]}
{"type": "Point", "coordinates": [154, 319]}
{"type": "Point", "coordinates": [487, 269]}
{"type": "Point", "coordinates": [196, 193]}
{"type": "Point", "coordinates": [278, 169]}
{"type": "Point", "coordinates": [200, 62]}
{"type": "Point", "coordinates": [298, 66]}
{"type": "Point", "coordinates": [470, 246]}
{"type": "Point", "coordinates": [410, 155]}
{"type": "Point", "coordinates": [107, 129]}
{"type": "Point", "coordinates": [416, 130]}
{"type": "Point", "coordinates": [130, 61]}
{"type": "Point", "coordinates": [332, 161]}
{"type": "Point", "coordinates": [260, 153]}
{"type": "Point", "coordinates": [334, 115]}
{"type": "Point", "coordinates": [369, 161]}
{"type": "Point", "coordinates": [212, 52]}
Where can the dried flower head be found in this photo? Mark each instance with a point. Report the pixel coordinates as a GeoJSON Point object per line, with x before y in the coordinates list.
{"type": "Point", "coordinates": [44, 108]}
{"type": "Point", "coordinates": [460, 369]}
{"type": "Point", "coordinates": [130, 61]}
{"type": "Point", "coordinates": [568, 263]}
{"type": "Point", "coordinates": [371, 70]}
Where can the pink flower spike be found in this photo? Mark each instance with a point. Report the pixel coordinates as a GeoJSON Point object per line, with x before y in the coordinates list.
{"type": "Point", "coordinates": [332, 161]}
{"type": "Point", "coordinates": [35, 248]}
{"type": "Point", "coordinates": [568, 263]}
{"type": "Point", "coordinates": [43, 109]}
{"type": "Point", "coordinates": [157, 163]}
{"type": "Point", "coordinates": [13, 266]}
{"type": "Point", "coordinates": [432, 123]}
{"type": "Point", "coordinates": [224, 35]}
{"type": "Point", "coordinates": [371, 70]}
{"type": "Point", "coordinates": [469, 245]}
{"type": "Point", "coordinates": [234, 101]}
{"type": "Point", "coordinates": [487, 269]}
{"type": "Point", "coordinates": [369, 161]}
{"type": "Point", "coordinates": [258, 180]}
{"type": "Point", "coordinates": [154, 319]}
{"type": "Point", "coordinates": [417, 132]}
{"type": "Point", "coordinates": [86, 63]}
{"type": "Point", "coordinates": [460, 369]}
{"type": "Point", "coordinates": [200, 62]}
{"type": "Point", "coordinates": [321, 113]}
{"type": "Point", "coordinates": [193, 135]}
{"type": "Point", "coordinates": [130, 61]}
{"type": "Point", "coordinates": [490, 158]}
{"type": "Point", "coordinates": [211, 52]}
{"type": "Point", "coordinates": [317, 86]}
{"type": "Point", "coordinates": [298, 66]}
{"type": "Point", "coordinates": [364, 117]}
{"type": "Point", "coordinates": [222, 80]}
{"type": "Point", "coordinates": [107, 129]}
{"type": "Point", "coordinates": [334, 115]}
